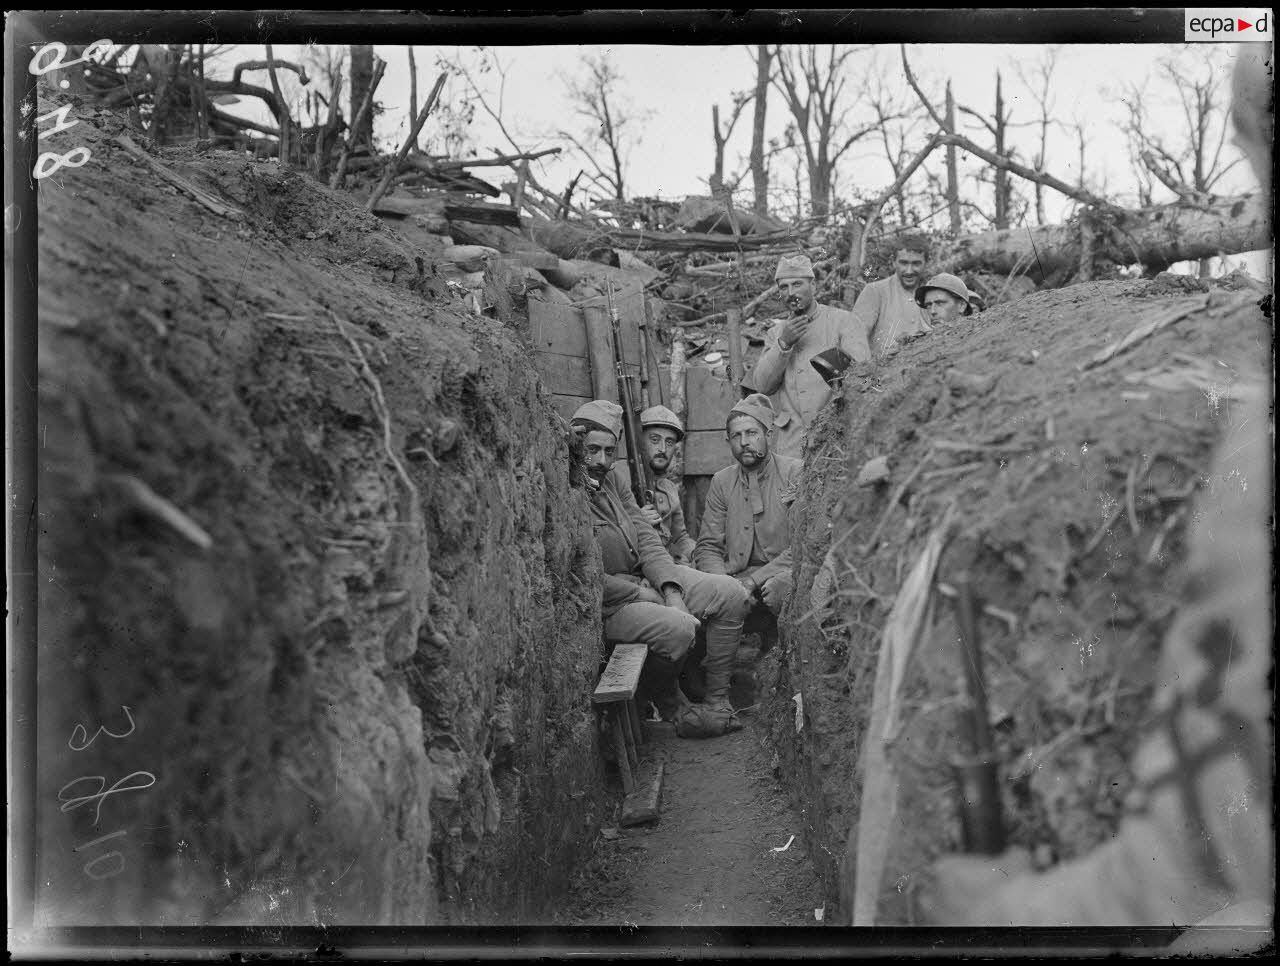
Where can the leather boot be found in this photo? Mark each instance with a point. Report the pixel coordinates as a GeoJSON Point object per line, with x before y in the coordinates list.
{"type": "Point", "coordinates": [723, 637]}
{"type": "Point", "coordinates": [659, 683]}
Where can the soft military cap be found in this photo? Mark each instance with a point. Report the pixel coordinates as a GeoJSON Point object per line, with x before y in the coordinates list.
{"type": "Point", "coordinates": [793, 266]}
{"type": "Point", "coordinates": [757, 406]}
{"type": "Point", "coordinates": [662, 416]}
{"type": "Point", "coordinates": [950, 284]}
{"type": "Point", "coordinates": [602, 412]}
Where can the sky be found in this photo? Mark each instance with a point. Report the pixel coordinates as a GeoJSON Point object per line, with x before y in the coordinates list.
{"type": "Point", "coordinates": [673, 89]}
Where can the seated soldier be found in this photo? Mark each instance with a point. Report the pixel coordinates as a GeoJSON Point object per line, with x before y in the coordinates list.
{"type": "Point", "coordinates": [945, 298]}
{"type": "Point", "coordinates": [744, 531]}
{"type": "Point", "coordinates": [648, 598]}
{"type": "Point", "coordinates": [662, 433]}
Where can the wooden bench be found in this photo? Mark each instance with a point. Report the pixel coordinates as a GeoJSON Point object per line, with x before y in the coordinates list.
{"type": "Point", "coordinates": [616, 692]}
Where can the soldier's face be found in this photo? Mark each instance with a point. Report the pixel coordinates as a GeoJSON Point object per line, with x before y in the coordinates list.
{"type": "Point", "coordinates": [942, 306]}
{"type": "Point", "coordinates": [748, 441]}
{"type": "Point", "coordinates": [797, 293]}
{"type": "Point", "coordinates": [600, 449]}
{"type": "Point", "coordinates": [909, 267]}
{"type": "Point", "coordinates": [660, 447]}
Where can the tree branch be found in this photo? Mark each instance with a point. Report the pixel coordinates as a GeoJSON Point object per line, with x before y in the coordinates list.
{"type": "Point", "coordinates": [911, 79]}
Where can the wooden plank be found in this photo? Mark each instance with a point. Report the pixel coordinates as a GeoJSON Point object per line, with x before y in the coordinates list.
{"type": "Point", "coordinates": [706, 451]}
{"type": "Point", "coordinates": [483, 214]}
{"type": "Point", "coordinates": [557, 328]}
{"type": "Point", "coordinates": [566, 406]}
{"type": "Point", "coordinates": [564, 375]}
{"type": "Point", "coordinates": [622, 675]}
{"type": "Point", "coordinates": [708, 398]}
{"type": "Point", "coordinates": [644, 804]}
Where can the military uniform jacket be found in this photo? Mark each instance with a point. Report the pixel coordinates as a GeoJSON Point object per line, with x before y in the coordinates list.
{"type": "Point", "coordinates": [732, 519]}
{"type": "Point", "coordinates": [666, 498]}
{"type": "Point", "coordinates": [794, 387]}
{"type": "Point", "coordinates": [888, 312]}
{"type": "Point", "coordinates": [630, 548]}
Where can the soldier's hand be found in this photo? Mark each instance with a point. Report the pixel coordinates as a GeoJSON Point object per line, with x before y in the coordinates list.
{"type": "Point", "coordinates": [794, 328]}
{"type": "Point", "coordinates": [774, 593]}
{"type": "Point", "coordinates": [651, 516]}
{"type": "Point", "coordinates": [674, 598]}
{"type": "Point", "coordinates": [649, 596]}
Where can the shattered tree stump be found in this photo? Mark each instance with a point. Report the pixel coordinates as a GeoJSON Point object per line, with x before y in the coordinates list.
{"type": "Point", "coordinates": [616, 691]}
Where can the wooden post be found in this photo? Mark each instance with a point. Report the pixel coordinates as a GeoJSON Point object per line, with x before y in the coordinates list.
{"type": "Point", "coordinates": [677, 378]}
{"type": "Point", "coordinates": [637, 724]}
{"type": "Point", "coordinates": [622, 716]}
{"type": "Point", "coordinates": [620, 751]}
{"type": "Point", "coordinates": [734, 319]}
{"type": "Point", "coordinates": [604, 381]}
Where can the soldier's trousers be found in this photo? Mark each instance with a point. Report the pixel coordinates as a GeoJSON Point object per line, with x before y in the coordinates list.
{"type": "Point", "coordinates": [719, 601]}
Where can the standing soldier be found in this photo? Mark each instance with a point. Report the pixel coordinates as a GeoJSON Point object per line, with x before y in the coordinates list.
{"type": "Point", "coordinates": [887, 309]}
{"type": "Point", "coordinates": [783, 372]}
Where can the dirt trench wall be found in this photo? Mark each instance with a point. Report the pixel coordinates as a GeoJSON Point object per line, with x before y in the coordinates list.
{"type": "Point", "coordinates": [309, 553]}
{"type": "Point", "coordinates": [1071, 490]}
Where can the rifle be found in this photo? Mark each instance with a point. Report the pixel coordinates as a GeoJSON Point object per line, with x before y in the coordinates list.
{"type": "Point", "coordinates": [642, 481]}
{"type": "Point", "coordinates": [976, 775]}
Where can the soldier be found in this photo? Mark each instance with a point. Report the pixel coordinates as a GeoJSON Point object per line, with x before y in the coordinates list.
{"type": "Point", "coordinates": [1196, 845]}
{"type": "Point", "coordinates": [888, 309]}
{"type": "Point", "coordinates": [744, 531]}
{"type": "Point", "coordinates": [945, 298]}
{"type": "Point", "coordinates": [663, 432]}
{"type": "Point", "coordinates": [648, 598]}
{"type": "Point", "coordinates": [783, 372]}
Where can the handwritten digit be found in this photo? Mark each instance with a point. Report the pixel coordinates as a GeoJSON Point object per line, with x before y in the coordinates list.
{"type": "Point", "coordinates": [45, 167]}
{"type": "Point", "coordinates": [102, 858]}
{"type": "Point", "coordinates": [100, 795]}
{"type": "Point", "coordinates": [99, 839]}
{"type": "Point", "coordinates": [62, 125]}
{"type": "Point", "coordinates": [59, 52]}
{"type": "Point", "coordinates": [110, 734]}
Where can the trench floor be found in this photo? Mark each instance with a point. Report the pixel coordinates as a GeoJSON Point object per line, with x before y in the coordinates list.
{"type": "Point", "coordinates": [718, 854]}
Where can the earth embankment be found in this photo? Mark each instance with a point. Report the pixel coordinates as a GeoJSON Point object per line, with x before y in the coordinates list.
{"type": "Point", "coordinates": [308, 546]}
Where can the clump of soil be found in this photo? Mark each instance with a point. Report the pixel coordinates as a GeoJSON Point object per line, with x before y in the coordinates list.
{"type": "Point", "coordinates": [309, 519]}
{"type": "Point", "coordinates": [1072, 489]}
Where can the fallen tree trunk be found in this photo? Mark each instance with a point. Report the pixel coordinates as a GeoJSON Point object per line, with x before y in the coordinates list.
{"type": "Point", "coordinates": [1155, 237]}
{"type": "Point", "coordinates": [573, 239]}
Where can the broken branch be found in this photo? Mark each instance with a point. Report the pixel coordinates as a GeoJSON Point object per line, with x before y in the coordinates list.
{"type": "Point", "coordinates": [182, 184]}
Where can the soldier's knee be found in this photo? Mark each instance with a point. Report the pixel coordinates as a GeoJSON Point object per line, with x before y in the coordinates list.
{"type": "Point", "coordinates": [676, 634]}
{"type": "Point", "coordinates": [732, 602]}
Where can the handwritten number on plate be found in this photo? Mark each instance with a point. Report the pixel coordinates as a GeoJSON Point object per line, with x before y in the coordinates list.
{"type": "Point", "coordinates": [80, 729]}
{"type": "Point", "coordinates": [102, 793]}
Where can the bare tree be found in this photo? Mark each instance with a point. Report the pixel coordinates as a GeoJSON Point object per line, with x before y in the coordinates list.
{"type": "Point", "coordinates": [596, 99]}
{"type": "Point", "coordinates": [759, 170]}
{"type": "Point", "coordinates": [897, 128]}
{"type": "Point", "coordinates": [1039, 81]}
{"type": "Point", "coordinates": [361, 78]}
{"type": "Point", "coordinates": [1190, 163]}
{"type": "Point", "coordinates": [722, 135]}
{"type": "Point", "coordinates": [813, 81]}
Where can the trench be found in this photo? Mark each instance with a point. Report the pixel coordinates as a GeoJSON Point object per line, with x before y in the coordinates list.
{"type": "Point", "coordinates": [311, 519]}
{"type": "Point", "coordinates": [729, 847]}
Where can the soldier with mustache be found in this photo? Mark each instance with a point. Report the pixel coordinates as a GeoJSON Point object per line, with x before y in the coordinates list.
{"type": "Point", "coordinates": [795, 389]}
